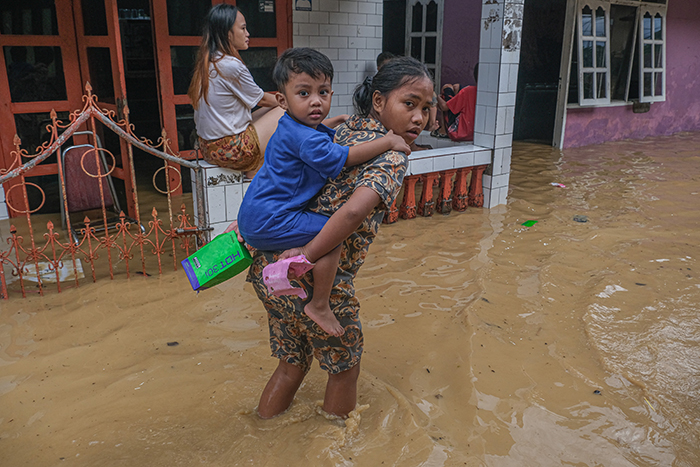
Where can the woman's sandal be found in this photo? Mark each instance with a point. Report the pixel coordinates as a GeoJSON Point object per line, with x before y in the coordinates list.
{"type": "Point", "coordinates": [437, 134]}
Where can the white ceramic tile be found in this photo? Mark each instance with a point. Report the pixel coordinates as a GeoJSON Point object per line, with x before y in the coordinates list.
{"type": "Point", "coordinates": [420, 166]}
{"type": "Point", "coordinates": [483, 139]}
{"type": "Point", "coordinates": [490, 121]}
{"type": "Point", "coordinates": [513, 78]}
{"type": "Point", "coordinates": [329, 5]}
{"type": "Point", "coordinates": [234, 197]}
{"type": "Point", "coordinates": [504, 141]}
{"type": "Point", "coordinates": [506, 99]}
{"type": "Point", "coordinates": [338, 18]}
{"type": "Point", "coordinates": [319, 17]}
{"type": "Point", "coordinates": [357, 18]}
{"type": "Point", "coordinates": [482, 157]}
{"type": "Point", "coordinates": [308, 29]}
{"type": "Point", "coordinates": [443, 163]}
{"type": "Point", "coordinates": [487, 197]}
{"type": "Point", "coordinates": [501, 120]}
{"type": "Point", "coordinates": [219, 228]}
{"type": "Point", "coordinates": [348, 6]}
{"type": "Point", "coordinates": [510, 117]}
{"type": "Point", "coordinates": [464, 159]}
{"type": "Point", "coordinates": [498, 181]}
{"type": "Point", "coordinates": [217, 204]}
{"type": "Point", "coordinates": [318, 42]}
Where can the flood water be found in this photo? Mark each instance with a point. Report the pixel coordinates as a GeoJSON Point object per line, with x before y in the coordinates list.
{"type": "Point", "coordinates": [487, 342]}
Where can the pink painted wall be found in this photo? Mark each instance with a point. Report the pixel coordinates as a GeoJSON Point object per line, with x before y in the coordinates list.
{"type": "Point", "coordinates": [680, 111]}
{"type": "Point", "coordinates": [460, 41]}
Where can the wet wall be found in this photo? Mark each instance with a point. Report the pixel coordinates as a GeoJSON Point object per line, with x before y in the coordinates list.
{"type": "Point", "coordinates": [680, 111]}
{"type": "Point", "coordinates": [460, 41]}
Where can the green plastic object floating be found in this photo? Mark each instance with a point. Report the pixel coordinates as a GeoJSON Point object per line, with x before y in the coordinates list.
{"type": "Point", "coordinates": [529, 223]}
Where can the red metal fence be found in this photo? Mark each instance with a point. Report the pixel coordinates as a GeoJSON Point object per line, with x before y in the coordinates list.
{"type": "Point", "coordinates": [125, 241]}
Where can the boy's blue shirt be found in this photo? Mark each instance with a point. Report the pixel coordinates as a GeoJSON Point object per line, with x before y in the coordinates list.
{"type": "Point", "coordinates": [298, 162]}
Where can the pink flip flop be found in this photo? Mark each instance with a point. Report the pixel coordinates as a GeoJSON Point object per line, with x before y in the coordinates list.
{"type": "Point", "coordinates": [275, 275]}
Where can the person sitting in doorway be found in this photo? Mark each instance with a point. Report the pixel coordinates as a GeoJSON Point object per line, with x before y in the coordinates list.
{"type": "Point", "coordinates": [458, 107]}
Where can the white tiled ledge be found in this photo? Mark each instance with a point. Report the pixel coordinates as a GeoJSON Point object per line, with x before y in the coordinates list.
{"type": "Point", "coordinates": [224, 188]}
{"type": "Point", "coordinates": [446, 155]}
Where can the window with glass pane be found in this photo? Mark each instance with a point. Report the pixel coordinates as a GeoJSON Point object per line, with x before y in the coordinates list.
{"type": "Point", "coordinates": [594, 53]}
{"type": "Point", "coordinates": [652, 59]}
{"type": "Point", "coordinates": [28, 17]}
{"type": "Point", "coordinates": [186, 17]}
{"type": "Point", "coordinates": [620, 54]}
{"type": "Point", "coordinates": [424, 33]}
{"type": "Point", "coordinates": [186, 132]}
{"type": "Point", "coordinates": [101, 79]}
{"type": "Point", "coordinates": [260, 61]}
{"type": "Point", "coordinates": [182, 58]}
{"type": "Point", "coordinates": [94, 17]}
{"type": "Point", "coordinates": [35, 73]}
{"type": "Point", "coordinates": [260, 23]}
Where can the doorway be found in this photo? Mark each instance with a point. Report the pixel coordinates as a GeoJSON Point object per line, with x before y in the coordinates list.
{"type": "Point", "coordinates": [538, 75]}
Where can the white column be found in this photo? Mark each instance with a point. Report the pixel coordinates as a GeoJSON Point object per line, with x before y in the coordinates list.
{"type": "Point", "coordinates": [499, 56]}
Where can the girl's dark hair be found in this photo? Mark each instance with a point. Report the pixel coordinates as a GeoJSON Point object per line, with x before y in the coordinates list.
{"type": "Point", "coordinates": [216, 40]}
{"type": "Point", "coordinates": [391, 76]}
{"type": "Point", "coordinates": [301, 60]}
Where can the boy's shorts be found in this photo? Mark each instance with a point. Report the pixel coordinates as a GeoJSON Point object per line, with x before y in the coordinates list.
{"type": "Point", "coordinates": [296, 339]}
{"type": "Point", "coordinates": [238, 152]}
{"type": "Point", "coordinates": [298, 232]}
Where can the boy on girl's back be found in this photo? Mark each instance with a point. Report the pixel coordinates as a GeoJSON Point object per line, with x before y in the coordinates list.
{"type": "Point", "coordinates": [300, 157]}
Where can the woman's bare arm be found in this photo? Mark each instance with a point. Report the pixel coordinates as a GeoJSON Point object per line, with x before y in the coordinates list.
{"type": "Point", "coordinates": [268, 100]}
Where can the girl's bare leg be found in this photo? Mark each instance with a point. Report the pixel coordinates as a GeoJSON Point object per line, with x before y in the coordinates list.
{"type": "Point", "coordinates": [341, 392]}
{"type": "Point", "coordinates": [319, 308]}
{"type": "Point", "coordinates": [280, 390]}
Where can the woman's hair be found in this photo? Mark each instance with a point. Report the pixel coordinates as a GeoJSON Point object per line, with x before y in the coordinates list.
{"type": "Point", "coordinates": [216, 43]}
{"type": "Point", "coordinates": [391, 76]}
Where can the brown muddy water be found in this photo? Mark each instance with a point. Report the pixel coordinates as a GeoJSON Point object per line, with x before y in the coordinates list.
{"type": "Point", "coordinates": [487, 342]}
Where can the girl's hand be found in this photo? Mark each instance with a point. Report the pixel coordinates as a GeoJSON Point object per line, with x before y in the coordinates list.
{"type": "Point", "coordinates": [398, 143]}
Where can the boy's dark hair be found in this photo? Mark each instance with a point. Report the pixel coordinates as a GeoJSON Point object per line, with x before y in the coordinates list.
{"type": "Point", "coordinates": [384, 57]}
{"type": "Point", "coordinates": [394, 74]}
{"type": "Point", "coordinates": [301, 60]}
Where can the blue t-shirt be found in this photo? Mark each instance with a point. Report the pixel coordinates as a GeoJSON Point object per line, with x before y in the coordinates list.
{"type": "Point", "coordinates": [299, 160]}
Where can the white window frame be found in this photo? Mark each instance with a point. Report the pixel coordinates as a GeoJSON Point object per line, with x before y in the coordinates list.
{"type": "Point", "coordinates": [643, 8]}
{"type": "Point", "coordinates": [652, 42]}
{"type": "Point", "coordinates": [595, 70]}
{"type": "Point", "coordinates": [423, 34]}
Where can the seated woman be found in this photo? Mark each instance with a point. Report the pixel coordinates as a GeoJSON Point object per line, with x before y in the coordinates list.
{"type": "Point", "coordinates": [399, 99]}
{"type": "Point", "coordinates": [458, 108]}
{"type": "Point", "coordinates": [223, 94]}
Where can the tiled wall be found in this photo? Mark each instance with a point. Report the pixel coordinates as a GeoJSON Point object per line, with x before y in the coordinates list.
{"type": "Point", "coordinates": [501, 27]}
{"type": "Point", "coordinates": [223, 194]}
{"type": "Point", "coordinates": [349, 32]}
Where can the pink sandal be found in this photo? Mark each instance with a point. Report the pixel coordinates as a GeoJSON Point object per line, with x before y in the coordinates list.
{"type": "Point", "coordinates": [275, 275]}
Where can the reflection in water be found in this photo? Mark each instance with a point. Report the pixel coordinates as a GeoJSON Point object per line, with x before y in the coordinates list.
{"type": "Point", "coordinates": [487, 342]}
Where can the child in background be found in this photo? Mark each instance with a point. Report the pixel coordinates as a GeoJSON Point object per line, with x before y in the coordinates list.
{"type": "Point", "coordinates": [300, 157]}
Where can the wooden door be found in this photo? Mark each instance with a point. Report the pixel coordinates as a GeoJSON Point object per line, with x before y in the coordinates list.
{"type": "Point", "coordinates": [177, 28]}
{"type": "Point", "coordinates": [39, 71]}
{"type": "Point", "coordinates": [102, 65]}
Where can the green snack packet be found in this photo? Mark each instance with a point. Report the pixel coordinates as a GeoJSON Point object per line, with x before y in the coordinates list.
{"type": "Point", "coordinates": [217, 261]}
{"type": "Point", "coordinates": [529, 223]}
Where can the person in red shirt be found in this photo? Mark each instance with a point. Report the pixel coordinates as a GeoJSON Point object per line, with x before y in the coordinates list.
{"type": "Point", "coordinates": [458, 108]}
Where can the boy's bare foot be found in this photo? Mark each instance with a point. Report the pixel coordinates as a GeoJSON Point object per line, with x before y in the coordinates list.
{"type": "Point", "coordinates": [324, 317]}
